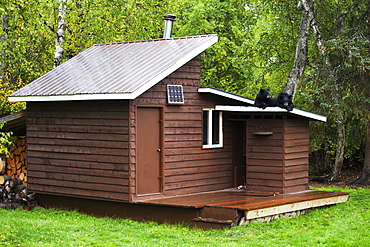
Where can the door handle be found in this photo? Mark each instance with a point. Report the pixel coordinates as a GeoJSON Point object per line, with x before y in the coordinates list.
{"type": "Point", "coordinates": [158, 150]}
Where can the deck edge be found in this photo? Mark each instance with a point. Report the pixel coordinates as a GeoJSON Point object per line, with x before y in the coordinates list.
{"type": "Point", "coordinates": [297, 206]}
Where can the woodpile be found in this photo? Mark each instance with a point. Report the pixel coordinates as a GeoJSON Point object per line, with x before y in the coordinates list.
{"type": "Point", "coordinates": [14, 194]}
{"type": "Point", "coordinates": [13, 178]}
{"type": "Point", "coordinates": [16, 163]}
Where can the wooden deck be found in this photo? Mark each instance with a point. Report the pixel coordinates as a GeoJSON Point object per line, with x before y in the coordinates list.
{"type": "Point", "coordinates": [235, 207]}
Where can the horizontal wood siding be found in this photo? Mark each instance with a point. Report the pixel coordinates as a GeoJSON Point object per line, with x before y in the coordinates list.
{"type": "Point", "coordinates": [265, 159]}
{"type": "Point", "coordinates": [277, 162]}
{"type": "Point", "coordinates": [296, 155]}
{"type": "Point", "coordinates": [79, 149]}
{"type": "Point", "coordinates": [187, 168]}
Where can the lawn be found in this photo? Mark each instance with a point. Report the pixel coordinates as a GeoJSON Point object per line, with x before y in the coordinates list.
{"type": "Point", "coordinates": [346, 224]}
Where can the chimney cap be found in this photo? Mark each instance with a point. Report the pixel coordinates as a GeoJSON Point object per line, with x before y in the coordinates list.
{"type": "Point", "coordinates": [169, 17]}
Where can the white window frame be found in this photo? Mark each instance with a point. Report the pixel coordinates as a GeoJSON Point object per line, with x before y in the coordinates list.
{"type": "Point", "coordinates": [209, 130]}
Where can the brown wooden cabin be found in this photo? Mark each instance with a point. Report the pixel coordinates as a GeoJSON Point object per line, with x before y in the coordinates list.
{"type": "Point", "coordinates": [106, 126]}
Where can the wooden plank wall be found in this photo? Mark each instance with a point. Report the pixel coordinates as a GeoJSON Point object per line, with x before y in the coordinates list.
{"type": "Point", "coordinates": [265, 160]}
{"type": "Point", "coordinates": [277, 162]}
{"type": "Point", "coordinates": [187, 168]}
{"type": "Point", "coordinates": [296, 155]}
{"type": "Point", "coordinates": [78, 149]}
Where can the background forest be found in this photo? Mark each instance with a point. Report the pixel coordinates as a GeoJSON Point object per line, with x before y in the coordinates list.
{"type": "Point", "coordinates": [258, 40]}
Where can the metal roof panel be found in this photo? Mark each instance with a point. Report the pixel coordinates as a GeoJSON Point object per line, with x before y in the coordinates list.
{"type": "Point", "coordinates": [127, 69]}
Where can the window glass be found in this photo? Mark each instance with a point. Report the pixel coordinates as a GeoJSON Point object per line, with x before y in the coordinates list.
{"type": "Point", "coordinates": [205, 127]}
{"type": "Point", "coordinates": [215, 127]}
{"type": "Point", "coordinates": [212, 128]}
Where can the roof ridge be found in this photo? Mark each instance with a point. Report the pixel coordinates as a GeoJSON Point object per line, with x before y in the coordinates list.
{"type": "Point", "coordinates": [153, 40]}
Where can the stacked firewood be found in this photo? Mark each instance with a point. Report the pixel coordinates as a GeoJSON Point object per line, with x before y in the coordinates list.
{"type": "Point", "coordinates": [14, 194]}
{"type": "Point", "coordinates": [16, 163]}
{"type": "Point", "coordinates": [13, 178]}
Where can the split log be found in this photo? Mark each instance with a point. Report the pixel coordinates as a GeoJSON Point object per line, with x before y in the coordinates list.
{"type": "Point", "coordinates": [16, 163]}
{"type": "Point", "coordinates": [23, 193]}
{"type": "Point", "coordinates": [18, 188]}
{"type": "Point", "coordinates": [15, 194]}
{"type": "Point", "coordinates": [2, 164]}
{"type": "Point", "coordinates": [4, 179]}
{"type": "Point", "coordinates": [14, 182]}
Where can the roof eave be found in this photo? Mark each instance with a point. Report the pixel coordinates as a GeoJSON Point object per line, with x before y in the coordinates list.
{"type": "Point", "coordinates": [252, 109]}
{"type": "Point", "coordinates": [76, 97]}
{"type": "Point", "coordinates": [226, 95]}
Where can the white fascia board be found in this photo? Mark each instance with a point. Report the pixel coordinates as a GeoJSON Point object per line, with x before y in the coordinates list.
{"type": "Point", "coordinates": [71, 97]}
{"type": "Point", "coordinates": [254, 109]}
{"type": "Point", "coordinates": [226, 95]}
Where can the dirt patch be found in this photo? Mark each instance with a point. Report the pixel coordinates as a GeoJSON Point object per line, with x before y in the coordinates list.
{"type": "Point", "coordinates": [344, 181]}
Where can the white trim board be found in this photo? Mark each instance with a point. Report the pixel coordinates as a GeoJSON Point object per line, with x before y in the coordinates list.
{"type": "Point", "coordinates": [226, 95]}
{"type": "Point", "coordinates": [253, 109]}
{"type": "Point", "coordinates": [292, 207]}
{"type": "Point", "coordinates": [105, 96]}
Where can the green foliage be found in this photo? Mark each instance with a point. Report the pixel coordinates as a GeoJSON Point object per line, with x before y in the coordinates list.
{"type": "Point", "coordinates": [24, 45]}
{"type": "Point", "coordinates": [226, 65]}
{"type": "Point", "coordinates": [347, 42]}
{"type": "Point", "coordinates": [5, 141]}
{"type": "Point", "coordinates": [274, 42]}
{"type": "Point", "coordinates": [6, 89]}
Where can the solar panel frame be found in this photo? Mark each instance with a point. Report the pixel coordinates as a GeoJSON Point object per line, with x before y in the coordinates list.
{"type": "Point", "coordinates": [175, 95]}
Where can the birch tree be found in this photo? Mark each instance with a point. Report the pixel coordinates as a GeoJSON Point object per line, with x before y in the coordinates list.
{"type": "Point", "coordinates": [60, 33]}
{"type": "Point", "coordinates": [3, 38]}
{"type": "Point", "coordinates": [300, 59]}
{"type": "Point", "coordinates": [308, 20]}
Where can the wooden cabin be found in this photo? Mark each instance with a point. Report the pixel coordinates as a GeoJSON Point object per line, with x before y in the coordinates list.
{"type": "Point", "coordinates": [128, 122]}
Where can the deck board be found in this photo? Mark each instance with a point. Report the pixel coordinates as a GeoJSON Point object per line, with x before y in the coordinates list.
{"type": "Point", "coordinates": [197, 200]}
{"type": "Point", "coordinates": [240, 199]}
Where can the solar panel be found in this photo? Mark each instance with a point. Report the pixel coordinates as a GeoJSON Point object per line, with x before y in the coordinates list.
{"type": "Point", "coordinates": [175, 95]}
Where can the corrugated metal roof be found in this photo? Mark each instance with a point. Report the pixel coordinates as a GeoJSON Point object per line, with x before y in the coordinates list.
{"type": "Point", "coordinates": [115, 70]}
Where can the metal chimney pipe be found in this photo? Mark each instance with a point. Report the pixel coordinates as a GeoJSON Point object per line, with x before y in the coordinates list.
{"type": "Point", "coordinates": [169, 19]}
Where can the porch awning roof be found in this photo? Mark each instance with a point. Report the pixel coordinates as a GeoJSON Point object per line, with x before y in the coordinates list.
{"type": "Point", "coordinates": [15, 122]}
{"type": "Point", "coordinates": [272, 110]}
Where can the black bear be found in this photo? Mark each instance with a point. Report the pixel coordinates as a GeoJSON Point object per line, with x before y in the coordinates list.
{"type": "Point", "coordinates": [283, 100]}
{"type": "Point", "coordinates": [262, 98]}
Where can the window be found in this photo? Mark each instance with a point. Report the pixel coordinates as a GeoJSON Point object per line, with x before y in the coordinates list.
{"type": "Point", "coordinates": [212, 128]}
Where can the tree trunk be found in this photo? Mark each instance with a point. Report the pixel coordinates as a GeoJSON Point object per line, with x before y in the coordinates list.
{"type": "Point", "coordinates": [339, 157]}
{"type": "Point", "coordinates": [3, 38]}
{"type": "Point", "coordinates": [300, 59]}
{"type": "Point", "coordinates": [308, 6]}
{"type": "Point", "coordinates": [365, 176]}
{"type": "Point", "coordinates": [59, 41]}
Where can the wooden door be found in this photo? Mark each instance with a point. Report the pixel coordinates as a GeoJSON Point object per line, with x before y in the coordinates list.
{"type": "Point", "coordinates": [239, 153]}
{"type": "Point", "coordinates": [149, 148]}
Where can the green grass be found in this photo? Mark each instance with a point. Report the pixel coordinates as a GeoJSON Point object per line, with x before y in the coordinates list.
{"type": "Point", "coordinates": [346, 224]}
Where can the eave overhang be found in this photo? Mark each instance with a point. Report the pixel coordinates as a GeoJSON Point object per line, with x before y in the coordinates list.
{"type": "Point", "coordinates": [271, 110]}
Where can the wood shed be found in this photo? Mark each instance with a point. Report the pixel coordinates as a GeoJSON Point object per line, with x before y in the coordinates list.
{"type": "Point", "coordinates": [125, 124]}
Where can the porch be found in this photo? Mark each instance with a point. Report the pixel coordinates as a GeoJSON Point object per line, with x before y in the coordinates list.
{"type": "Point", "coordinates": [232, 207]}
